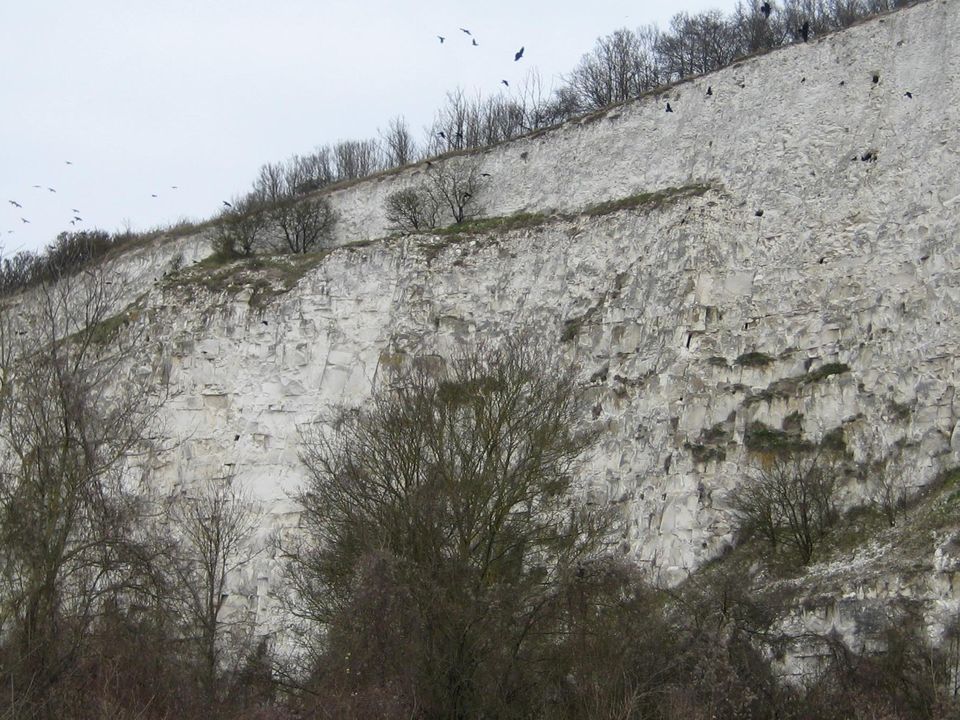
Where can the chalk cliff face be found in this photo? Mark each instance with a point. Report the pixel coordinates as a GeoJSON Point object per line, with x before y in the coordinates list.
{"type": "Point", "coordinates": [796, 269]}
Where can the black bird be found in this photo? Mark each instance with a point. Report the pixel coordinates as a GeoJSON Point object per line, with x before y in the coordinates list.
{"type": "Point", "coordinates": [442, 134]}
{"type": "Point", "coordinates": [78, 218]}
{"type": "Point", "coordinates": [153, 195]}
{"type": "Point", "coordinates": [765, 9]}
{"type": "Point", "coordinates": [37, 187]}
{"type": "Point", "coordinates": [475, 43]}
{"type": "Point", "coordinates": [74, 210]}
{"type": "Point", "coordinates": [68, 162]}
{"type": "Point", "coordinates": [802, 80]}
{"type": "Point", "coordinates": [467, 195]}
{"type": "Point", "coordinates": [805, 30]}
{"type": "Point", "coordinates": [518, 54]}
{"type": "Point", "coordinates": [227, 204]}
{"type": "Point", "coordinates": [505, 83]}
{"type": "Point", "coordinates": [442, 38]}
{"type": "Point", "coordinates": [73, 222]}
{"type": "Point", "coordinates": [709, 89]}
{"type": "Point", "coordinates": [484, 174]}
{"type": "Point", "coordinates": [669, 109]}
{"type": "Point", "coordinates": [908, 94]}
{"type": "Point", "coordinates": [14, 203]}
{"type": "Point", "coordinates": [51, 189]}
{"type": "Point", "coordinates": [464, 30]}
{"type": "Point", "coordinates": [24, 220]}
{"type": "Point", "coordinates": [173, 187]}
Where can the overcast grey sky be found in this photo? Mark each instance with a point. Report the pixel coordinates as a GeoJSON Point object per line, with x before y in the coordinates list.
{"type": "Point", "coordinates": [141, 96]}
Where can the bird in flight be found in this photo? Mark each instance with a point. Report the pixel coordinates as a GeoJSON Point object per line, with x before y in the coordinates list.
{"type": "Point", "coordinates": [153, 195]}
{"type": "Point", "coordinates": [51, 189]}
{"type": "Point", "coordinates": [518, 55]}
{"type": "Point", "coordinates": [227, 204]}
{"type": "Point", "coordinates": [173, 187]}
{"type": "Point", "coordinates": [464, 30]}
{"type": "Point", "coordinates": [68, 162]}
{"type": "Point", "coordinates": [442, 38]}
{"type": "Point", "coordinates": [442, 134]}
{"type": "Point", "coordinates": [475, 43]}
{"type": "Point", "coordinates": [907, 94]}
{"type": "Point", "coordinates": [78, 218]}
{"type": "Point", "coordinates": [505, 83]}
{"type": "Point", "coordinates": [74, 210]}
{"type": "Point", "coordinates": [38, 187]}
{"type": "Point", "coordinates": [14, 203]}
{"type": "Point", "coordinates": [24, 220]}
{"type": "Point", "coordinates": [765, 9]}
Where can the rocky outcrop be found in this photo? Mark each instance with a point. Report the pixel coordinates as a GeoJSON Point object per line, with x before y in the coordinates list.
{"type": "Point", "coordinates": [780, 256]}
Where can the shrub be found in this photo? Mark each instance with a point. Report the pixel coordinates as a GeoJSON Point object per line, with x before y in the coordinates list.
{"type": "Point", "coordinates": [412, 210]}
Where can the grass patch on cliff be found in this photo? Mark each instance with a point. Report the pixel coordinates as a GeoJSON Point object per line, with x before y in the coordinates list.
{"type": "Point", "coordinates": [501, 224]}
{"type": "Point", "coordinates": [791, 386]}
{"type": "Point", "coordinates": [645, 200]}
{"type": "Point", "coordinates": [268, 276]}
{"type": "Point", "coordinates": [753, 359]}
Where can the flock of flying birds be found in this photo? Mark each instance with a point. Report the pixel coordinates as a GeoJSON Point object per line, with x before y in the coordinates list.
{"type": "Point", "coordinates": [473, 41]}
{"type": "Point", "coordinates": [764, 8]}
{"type": "Point", "coordinates": [75, 219]}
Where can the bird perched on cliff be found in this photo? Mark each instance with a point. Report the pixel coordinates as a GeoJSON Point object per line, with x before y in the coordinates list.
{"type": "Point", "coordinates": [518, 54]}
{"type": "Point", "coordinates": [709, 89]}
{"type": "Point", "coordinates": [805, 30]}
{"type": "Point", "coordinates": [908, 94]}
{"type": "Point", "coordinates": [765, 9]}
{"type": "Point", "coordinates": [669, 109]}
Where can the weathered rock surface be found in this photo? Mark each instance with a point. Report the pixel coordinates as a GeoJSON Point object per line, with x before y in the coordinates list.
{"type": "Point", "coordinates": [694, 316]}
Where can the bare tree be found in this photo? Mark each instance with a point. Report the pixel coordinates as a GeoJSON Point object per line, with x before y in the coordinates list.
{"type": "Point", "coordinates": [791, 500]}
{"type": "Point", "coordinates": [241, 228]}
{"type": "Point", "coordinates": [454, 184]}
{"type": "Point", "coordinates": [304, 222]}
{"type": "Point", "coordinates": [437, 525]}
{"type": "Point", "coordinates": [620, 67]}
{"type": "Point", "coordinates": [401, 148]}
{"type": "Point", "coordinates": [212, 529]}
{"type": "Point", "coordinates": [73, 408]}
{"type": "Point", "coordinates": [357, 158]}
{"type": "Point", "coordinates": [412, 210]}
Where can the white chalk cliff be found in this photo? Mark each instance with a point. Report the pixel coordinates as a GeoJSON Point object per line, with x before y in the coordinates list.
{"type": "Point", "coordinates": [805, 218]}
